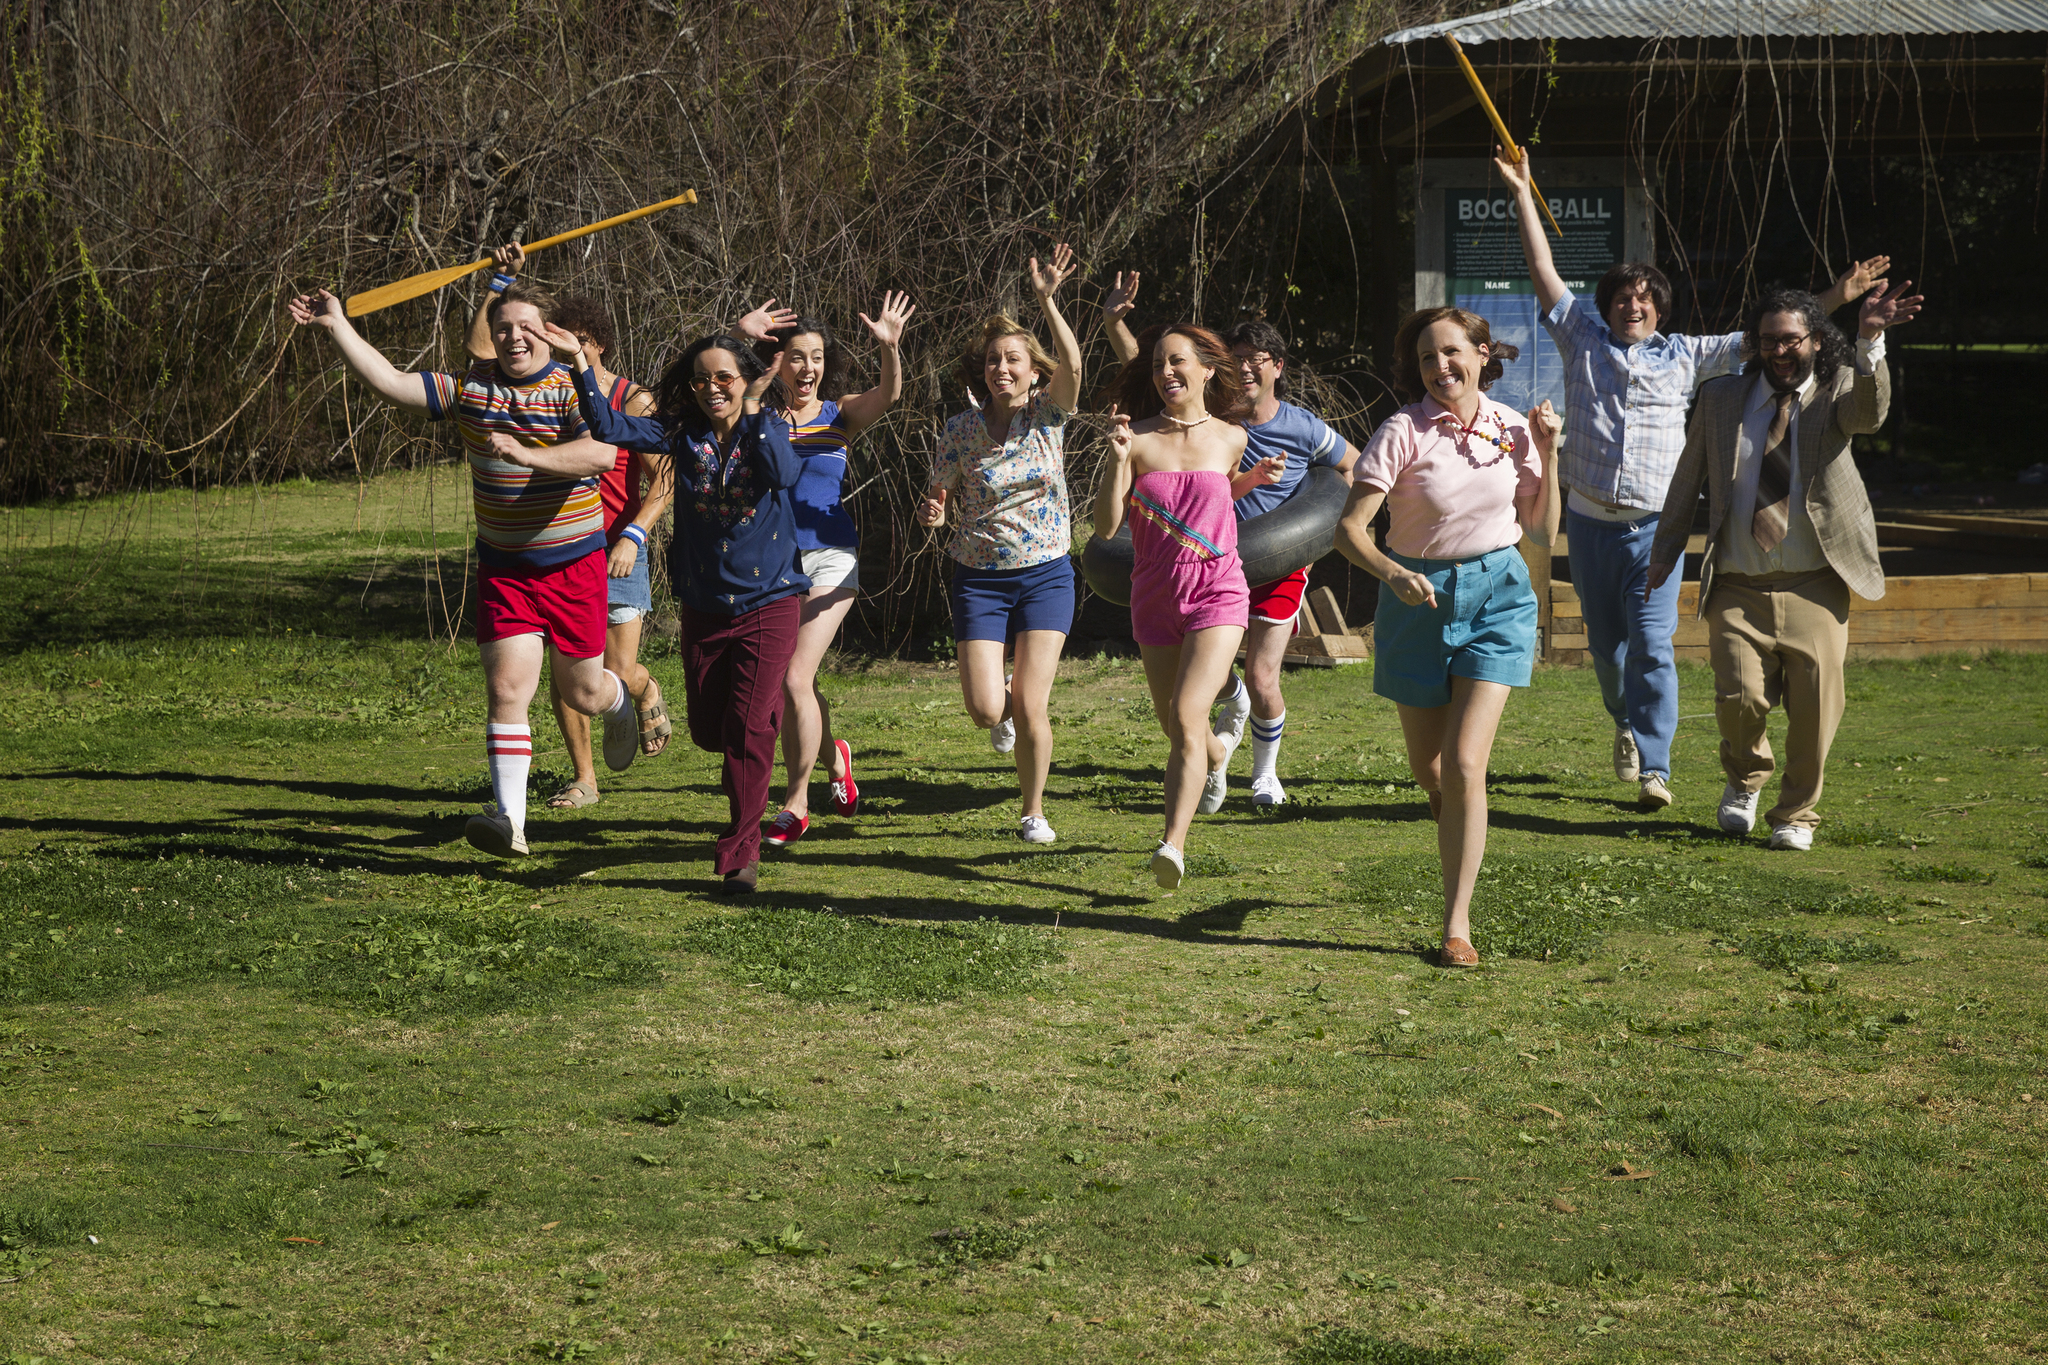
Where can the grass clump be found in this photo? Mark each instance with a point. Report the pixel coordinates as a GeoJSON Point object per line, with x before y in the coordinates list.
{"type": "Point", "coordinates": [1788, 949]}
{"type": "Point", "coordinates": [704, 1101]}
{"type": "Point", "coordinates": [811, 955]}
{"type": "Point", "coordinates": [81, 924]}
{"type": "Point", "coordinates": [978, 1242]}
{"type": "Point", "coordinates": [1953, 874]}
{"type": "Point", "coordinates": [1350, 1346]}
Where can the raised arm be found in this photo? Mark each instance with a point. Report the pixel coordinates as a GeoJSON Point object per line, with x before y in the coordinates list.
{"type": "Point", "coordinates": [1853, 283]}
{"type": "Point", "coordinates": [1535, 246]}
{"type": "Point", "coordinates": [863, 410]}
{"type": "Point", "coordinates": [1869, 398]}
{"type": "Point", "coordinates": [510, 258]}
{"type": "Point", "coordinates": [774, 457]}
{"type": "Point", "coordinates": [1063, 386]}
{"type": "Point", "coordinates": [608, 425]}
{"type": "Point", "coordinates": [395, 386]}
{"type": "Point", "coordinates": [1115, 484]}
{"type": "Point", "coordinates": [1355, 543]}
{"type": "Point", "coordinates": [1123, 296]}
{"type": "Point", "coordinates": [1538, 514]}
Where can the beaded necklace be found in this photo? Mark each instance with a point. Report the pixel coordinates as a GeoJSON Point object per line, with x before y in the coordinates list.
{"type": "Point", "coordinates": [1500, 438]}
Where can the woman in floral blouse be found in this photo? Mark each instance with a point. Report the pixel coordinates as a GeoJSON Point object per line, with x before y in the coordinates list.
{"type": "Point", "coordinates": [1003, 470]}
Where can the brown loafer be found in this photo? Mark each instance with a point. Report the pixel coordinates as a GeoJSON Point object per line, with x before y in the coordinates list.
{"type": "Point", "coordinates": [741, 881]}
{"type": "Point", "coordinates": [1458, 953]}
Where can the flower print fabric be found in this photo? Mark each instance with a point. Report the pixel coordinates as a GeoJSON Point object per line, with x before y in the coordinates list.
{"type": "Point", "coordinates": [1011, 497]}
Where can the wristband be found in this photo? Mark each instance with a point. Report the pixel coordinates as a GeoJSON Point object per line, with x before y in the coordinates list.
{"type": "Point", "coordinates": [632, 531]}
{"type": "Point", "coordinates": [500, 281]}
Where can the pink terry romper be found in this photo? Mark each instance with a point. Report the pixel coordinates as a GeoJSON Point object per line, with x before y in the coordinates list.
{"type": "Point", "coordinates": [1185, 573]}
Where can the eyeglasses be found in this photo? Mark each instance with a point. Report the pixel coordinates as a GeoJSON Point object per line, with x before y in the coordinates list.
{"type": "Point", "coordinates": [1255, 359]}
{"type": "Point", "coordinates": [705, 381]}
{"type": "Point", "coordinates": [1774, 345]}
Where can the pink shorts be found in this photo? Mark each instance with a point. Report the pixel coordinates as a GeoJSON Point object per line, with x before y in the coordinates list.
{"type": "Point", "coordinates": [1171, 600]}
{"type": "Point", "coordinates": [564, 604]}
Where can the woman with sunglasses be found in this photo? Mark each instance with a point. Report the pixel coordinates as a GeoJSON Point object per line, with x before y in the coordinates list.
{"type": "Point", "coordinates": [732, 560]}
{"type": "Point", "coordinates": [1003, 468]}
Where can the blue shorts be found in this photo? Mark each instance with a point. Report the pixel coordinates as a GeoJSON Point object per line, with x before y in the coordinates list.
{"type": "Point", "coordinates": [1483, 627]}
{"type": "Point", "coordinates": [1001, 604]}
{"type": "Point", "coordinates": [631, 597]}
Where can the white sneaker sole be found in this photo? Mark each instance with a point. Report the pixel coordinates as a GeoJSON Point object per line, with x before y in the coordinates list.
{"type": "Point", "coordinates": [1167, 870]}
{"type": "Point", "coordinates": [495, 837]}
{"type": "Point", "coordinates": [621, 742]}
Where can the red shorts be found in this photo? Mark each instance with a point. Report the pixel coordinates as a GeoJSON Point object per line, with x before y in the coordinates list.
{"type": "Point", "coordinates": [1279, 601]}
{"type": "Point", "coordinates": [564, 604]}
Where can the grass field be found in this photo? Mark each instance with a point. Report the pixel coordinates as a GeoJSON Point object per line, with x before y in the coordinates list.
{"type": "Point", "coordinates": [290, 1073]}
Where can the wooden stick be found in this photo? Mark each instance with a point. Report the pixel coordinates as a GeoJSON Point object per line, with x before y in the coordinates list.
{"type": "Point", "coordinates": [1500, 129]}
{"type": "Point", "coordinates": [412, 287]}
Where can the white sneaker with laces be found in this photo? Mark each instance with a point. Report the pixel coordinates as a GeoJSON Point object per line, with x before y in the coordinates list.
{"type": "Point", "coordinates": [1267, 791]}
{"type": "Point", "coordinates": [1033, 829]}
{"type": "Point", "coordinates": [1797, 838]}
{"type": "Point", "coordinates": [1003, 738]}
{"type": "Point", "coordinates": [1230, 720]}
{"type": "Point", "coordinates": [1738, 810]}
{"type": "Point", "coordinates": [1652, 794]}
{"type": "Point", "coordinates": [1167, 866]}
{"type": "Point", "coordinates": [494, 834]}
{"type": "Point", "coordinates": [1627, 762]}
{"type": "Point", "coordinates": [1218, 785]}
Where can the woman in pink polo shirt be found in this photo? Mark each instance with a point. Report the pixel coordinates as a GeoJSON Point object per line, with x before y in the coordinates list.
{"type": "Point", "coordinates": [1463, 479]}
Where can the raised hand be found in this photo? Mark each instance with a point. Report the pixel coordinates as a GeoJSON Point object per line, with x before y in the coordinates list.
{"type": "Point", "coordinates": [765, 321]}
{"type": "Point", "coordinates": [931, 511]}
{"type": "Point", "coordinates": [510, 258]}
{"type": "Point", "coordinates": [317, 309]}
{"type": "Point", "coordinates": [1861, 277]}
{"type": "Point", "coordinates": [760, 384]}
{"type": "Point", "coordinates": [1545, 425]}
{"type": "Point", "coordinates": [561, 341]}
{"type": "Point", "coordinates": [1122, 296]}
{"type": "Point", "coordinates": [1515, 173]}
{"type": "Point", "coordinates": [1885, 307]}
{"type": "Point", "coordinates": [1046, 279]}
{"type": "Point", "coordinates": [896, 311]}
{"type": "Point", "coordinates": [1119, 435]}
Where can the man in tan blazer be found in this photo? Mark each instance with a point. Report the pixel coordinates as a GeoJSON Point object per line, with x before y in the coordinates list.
{"type": "Point", "coordinates": [1790, 535]}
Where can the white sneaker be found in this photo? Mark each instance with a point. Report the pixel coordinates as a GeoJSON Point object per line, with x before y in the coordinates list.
{"type": "Point", "coordinates": [494, 834]}
{"type": "Point", "coordinates": [621, 740]}
{"type": "Point", "coordinates": [1033, 829]}
{"type": "Point", "coordinates": [1167, 866]}
{"type": "Point", "coordinates": [1738, 810]}
{"type": "Point", "coordinates": [1218, 785]}
{"type": "Point", "coordinates": [1003, 738]}
{"type": "Point", "coordinates": [1627, 762]}
{"type": "Point", "coordinates": [1652, 794]}
{"type": "Point", "coordinates": [1795, 837]}
{"type": "Point", "coordinates": [1230, 721]}
{"type": "Point", "coordinates": [1267, 791]}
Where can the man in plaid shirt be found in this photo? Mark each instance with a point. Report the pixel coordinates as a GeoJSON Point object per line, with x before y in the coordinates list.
{"type": "Point", "coordinates": [1628, 388]}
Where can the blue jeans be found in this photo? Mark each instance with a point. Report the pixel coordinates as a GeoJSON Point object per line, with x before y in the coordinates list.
{"type": "Point", "coordinates": [1628, 638]}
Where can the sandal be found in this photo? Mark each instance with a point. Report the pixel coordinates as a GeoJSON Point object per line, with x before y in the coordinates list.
{"type": "Point", "coordinates": [575, 796]}
{"type": "Point", "coordinates": [654, 724]}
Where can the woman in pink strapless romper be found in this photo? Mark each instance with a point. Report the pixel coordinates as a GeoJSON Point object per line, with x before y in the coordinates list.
{"type": "Point", "coordinates": [1178, 437]}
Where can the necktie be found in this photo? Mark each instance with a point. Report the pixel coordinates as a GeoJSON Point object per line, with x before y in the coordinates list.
{"type": "Point", "coordinates": [1774, 480]}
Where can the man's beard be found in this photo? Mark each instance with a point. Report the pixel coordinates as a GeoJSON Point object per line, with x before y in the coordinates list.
{"type": "Point", "coordinates": [1799, 375]}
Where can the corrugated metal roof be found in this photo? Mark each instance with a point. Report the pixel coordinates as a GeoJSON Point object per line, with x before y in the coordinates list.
{"type": "Point", "coordinates": [1544, 19]}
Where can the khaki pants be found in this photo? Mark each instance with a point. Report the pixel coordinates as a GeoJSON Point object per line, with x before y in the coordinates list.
{"type": "Point", "coordinates": [1779, 638]}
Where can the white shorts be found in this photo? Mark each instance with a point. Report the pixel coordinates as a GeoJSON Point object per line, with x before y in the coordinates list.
{"type": "Point", "coordinates": [832, 567]}
{"type": "Point", "coordinates": [618, 614]}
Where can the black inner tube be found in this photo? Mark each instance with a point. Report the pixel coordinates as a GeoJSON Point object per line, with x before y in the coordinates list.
{"type": "Point", "coordinates": [1272, 545]}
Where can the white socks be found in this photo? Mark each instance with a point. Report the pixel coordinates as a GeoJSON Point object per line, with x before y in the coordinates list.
{"type": "Point", "coordinates": [1236, 693]}
{"type": "Point", "coordinates": [622, 706]}
{"type": "Point", "coordinates": [1266, 744]}
{"type": "Point", "coordinates": [510, 750]}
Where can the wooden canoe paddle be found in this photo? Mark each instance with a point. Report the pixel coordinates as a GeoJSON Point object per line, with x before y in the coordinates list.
{"type": "Point", "coordinates": [1500, 130]}
{"type": "Point", "coordinates": [412, 287]}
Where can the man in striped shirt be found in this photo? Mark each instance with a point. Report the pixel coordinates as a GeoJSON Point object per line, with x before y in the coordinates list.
{"type": "Point", "coordinates": [1628, 387]}
{"type": "Point", "coordinates": [540, 533]}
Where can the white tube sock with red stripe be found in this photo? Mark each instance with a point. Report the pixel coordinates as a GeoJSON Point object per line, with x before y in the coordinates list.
{"type": "Point", "coordinates": [510, 750]}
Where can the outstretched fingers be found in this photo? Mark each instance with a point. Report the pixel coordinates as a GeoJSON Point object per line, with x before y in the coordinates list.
{"type": "Point", "coordinates": [317, 307]}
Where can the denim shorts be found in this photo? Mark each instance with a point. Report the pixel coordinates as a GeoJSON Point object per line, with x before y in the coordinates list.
{"type": "Point", "coordinates": [1483, 627]}
{"type": "Point", "coordinates": [631, 597]}
{"type": "Point", "coordinates": [1001, 604]}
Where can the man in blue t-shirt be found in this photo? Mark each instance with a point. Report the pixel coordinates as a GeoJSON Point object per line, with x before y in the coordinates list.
{"type": "Point", "coordinates": [1277, 429]}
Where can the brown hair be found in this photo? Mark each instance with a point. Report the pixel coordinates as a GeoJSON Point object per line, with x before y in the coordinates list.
{"type": "Point", "coordinates": [519, 292]}
{"type": "Point", "coordinates": [994, 329]}
{"type": "Point", "coordinates": [1625, 278]}
{"type": "Point", "coordinates": [582, 313]}
{"type": "Point", "coordinates": [1137, 397]}
{"type": "Point", "coordinates": [1408, 366]}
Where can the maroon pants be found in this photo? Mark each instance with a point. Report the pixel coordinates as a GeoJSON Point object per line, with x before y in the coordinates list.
{"type": "Point", "coordinates": [732, 680]}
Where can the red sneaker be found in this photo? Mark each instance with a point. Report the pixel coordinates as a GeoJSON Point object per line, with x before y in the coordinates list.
{"type": "Point", "coordinates": [845, 791]}
{"type": "Point", "coordinates": [787, 829]}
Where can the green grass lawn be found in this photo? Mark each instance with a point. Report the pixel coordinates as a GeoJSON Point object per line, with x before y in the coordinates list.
{"type": "Point", "coordinates": [289, 1072]}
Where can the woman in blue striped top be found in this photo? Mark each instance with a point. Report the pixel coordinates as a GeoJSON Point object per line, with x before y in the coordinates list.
{"type": "Point", "coordinates": [821, 429]}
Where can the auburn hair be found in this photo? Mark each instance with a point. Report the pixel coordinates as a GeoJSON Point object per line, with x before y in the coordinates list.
{"type": "Point", "coordinates": [1408, 364]}
{"type": "Point", "coordinates": [1137, 397]}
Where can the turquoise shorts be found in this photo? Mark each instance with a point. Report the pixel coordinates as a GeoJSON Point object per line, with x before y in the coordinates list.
{"type": "Point", "coordinates": [1483, 627]}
